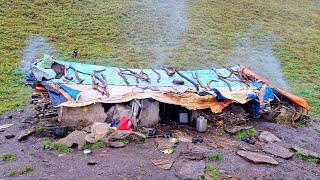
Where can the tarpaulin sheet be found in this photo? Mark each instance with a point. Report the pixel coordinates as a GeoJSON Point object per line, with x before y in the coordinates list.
{"type": "Point", "coordinates": [189, 100]}
{"type": "Point", "coordinates": [111, 73]}
{"type": "Point", "coordinates": [293, 98]}
{"type": "Point", "coordinates": [220, 93]}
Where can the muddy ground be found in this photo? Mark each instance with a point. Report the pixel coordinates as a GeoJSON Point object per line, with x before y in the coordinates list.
{"type": "Point", "coordinates": [133, 161]}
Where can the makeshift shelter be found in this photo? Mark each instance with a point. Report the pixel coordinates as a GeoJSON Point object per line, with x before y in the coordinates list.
{"type": "Point", "coordinates": [84, 92]}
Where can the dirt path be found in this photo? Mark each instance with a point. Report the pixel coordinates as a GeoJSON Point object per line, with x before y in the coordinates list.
{"type": "Point", "coordinates": [133, 161]}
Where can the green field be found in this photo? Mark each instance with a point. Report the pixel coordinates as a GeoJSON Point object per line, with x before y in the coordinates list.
{"type": "Point", "coordinates": [101, 31]}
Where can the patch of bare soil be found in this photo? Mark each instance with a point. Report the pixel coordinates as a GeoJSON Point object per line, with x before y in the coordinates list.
{"type": "Point", "coordinates": [134, 160]}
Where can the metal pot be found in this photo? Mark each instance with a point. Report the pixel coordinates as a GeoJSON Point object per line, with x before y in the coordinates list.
{"type": "Point", "coordinates": [60, 132]}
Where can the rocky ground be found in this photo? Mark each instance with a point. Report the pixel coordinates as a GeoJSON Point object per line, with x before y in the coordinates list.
{"type": "Point", "coordinates": [134, 161]}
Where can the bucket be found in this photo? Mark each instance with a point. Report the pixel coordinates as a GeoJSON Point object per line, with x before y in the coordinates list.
{"type": "Point", "coordinates": [183, 117]}
{"type": "Point", "coordinates": [125, 124]}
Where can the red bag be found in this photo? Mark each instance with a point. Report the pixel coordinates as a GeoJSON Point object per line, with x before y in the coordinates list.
{"type": "Point", "coordinates": [125, 124]}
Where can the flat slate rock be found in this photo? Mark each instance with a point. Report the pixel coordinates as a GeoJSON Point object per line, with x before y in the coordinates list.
{"type": "Point", "coordinates": [76, 137]}
{"type": "Point", "coordinates": [5, 126]}
{"type": "Point", "coordinates": [162, 163]}
{"type": "Point", "coordinates": [199, 148]}
{"type": "Point", "coordinates": [163, 143]}
{"type": "Point", "coordinates": [257, 157]}
{"type": "Point", "coordinates": [190, 169]}
{"type": "Point", "coordinates": [268, 137]}
{"type": "Point", "coordinates": [235, 129]}
{"type": "Point", "coordinates": [25, 133]}
{"type": "Point", "coordinates": [277, 150]}
{"type": "Point", "coordinates": [117, 144]}
{"type": "Point", "coordinates": [192, 155]}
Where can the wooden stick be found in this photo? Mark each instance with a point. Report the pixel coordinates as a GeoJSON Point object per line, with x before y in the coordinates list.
{"type": "Point", "coordinates": [120, 73]}
{"type": "Point", "coordinates": [159, 76]}
{"type": "Point", "coordinates": [209, 83]}
{"type": "Point", "coordinates": [186, 78]}
{"type": "Point", "coordinates": [66, 76]}
{"type": "Point", "coordinates": [222, 79]}
{"type": "Point", "coordinates": [196, 77]}
{"type": "Point", "coordinates": [77, 75]}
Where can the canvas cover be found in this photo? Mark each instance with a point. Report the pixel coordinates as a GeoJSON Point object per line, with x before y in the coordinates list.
{"type": "Point", "coordinates": [216, 93]}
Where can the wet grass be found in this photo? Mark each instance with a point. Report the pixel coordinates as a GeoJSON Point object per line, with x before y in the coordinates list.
{"type": "Point", "coordinates": [215, 156]}
{"type": "Point", "coordinates": [17, 172]}
{"type": "Point", "coordinates": [125, 141]}
{"type": "Point", "coordinates": [294, 27]}
{"type": "Point", "coordinates": [13, 172]}
{"type": "Point", "coordinates": [99, 29]}
{"type": "Point", "coordinates": [213, 172]}
{"type": "Point", "coordinates": [310, 159]}
{"type": "Point", "coordinates": [9, 157]}
{"type": "Point", "coordinates": [97, 145]}
{"type": "Point", "coordinates": [49, 145]}
{"type": "Point", "coordinates": [249, 133]}
{"type": "Point", "coordinates": [96, 28]}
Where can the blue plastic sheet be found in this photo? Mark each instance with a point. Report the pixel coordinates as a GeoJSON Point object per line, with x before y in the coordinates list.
{"type": "Point", "coordinates": [56, 97]}
{"type": "Point", "coordinates": [219, 96]}
{"type": "Point", "coordinates": [113, 78]}
{"type": "Point", "coordinates": [72, 92]}
{"type": "Point", "coordinates": [267, 97]}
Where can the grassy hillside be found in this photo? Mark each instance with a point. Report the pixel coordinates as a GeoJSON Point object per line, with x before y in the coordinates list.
{"type": "Point", "coordinates": [95, 28]}
{"type": "Point", "coordinates": [101, 31]}
{"type": "Point", "coordinates": [295, 26]}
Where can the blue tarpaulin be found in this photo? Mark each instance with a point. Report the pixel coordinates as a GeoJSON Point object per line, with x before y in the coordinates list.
{"type": "Point", "coordinates": [85, 70]}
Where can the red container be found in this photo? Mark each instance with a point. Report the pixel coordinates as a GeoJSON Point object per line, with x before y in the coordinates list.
{"type": "Point", "coordinates": [125, 124]}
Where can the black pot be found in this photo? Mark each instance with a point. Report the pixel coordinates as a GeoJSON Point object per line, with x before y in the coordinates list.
{"type": "Point", "coordinates": [60, 132]}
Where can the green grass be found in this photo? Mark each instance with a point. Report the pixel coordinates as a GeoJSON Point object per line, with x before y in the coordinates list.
{"type": "Point", "coordinates": [249, 133]}
{"type": "Point", "coordinates": [62, 148]}
{"type": "Point", "coordinates": [310, 159]}
{"type": "Point", "coordinates": [49, 145]}
{"type": "Point", "coordinates": [215, 156]}
{"type": "Point", "coordinates": [13, 172]}
{"type": "Point", "coordinates": [96, 28]}
{"type": "Point", "coordinates": [213, 172]}
{"type": "Point", "coordinates": [294, 24]}
{"type": "Point", "coordinates": [9, 157]}
{"type": "Point", "coordinates": [97, 145]}
{"type": "Point", "coordinates": [100, 31]}
{"type": "Point", "coordinates": [26, 170]}
{"type": "Point", "coordinates": [301, 123]}
{"type": "Point", "coordinates": [17, 172]}
{"type": "Point", "coordinates": [41, 128]}
{"type": "Point", "coordinates": [125, 141]}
